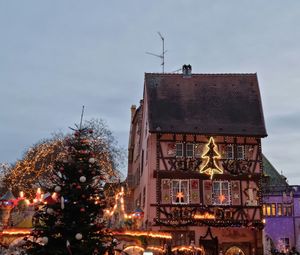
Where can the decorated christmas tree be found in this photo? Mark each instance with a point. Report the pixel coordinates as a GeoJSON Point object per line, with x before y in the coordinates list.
{"type": "Point", "coordinates": [71, 221]}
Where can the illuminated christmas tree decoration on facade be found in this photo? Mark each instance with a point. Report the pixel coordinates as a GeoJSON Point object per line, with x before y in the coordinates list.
{"type": "Point", "coordinates": [211, 154]}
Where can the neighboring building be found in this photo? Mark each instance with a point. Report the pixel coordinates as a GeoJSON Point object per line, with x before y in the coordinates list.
{"type": "Point", "coordinates": [195, 162]}
{"type": "Point", "coordinates": [281, 208]}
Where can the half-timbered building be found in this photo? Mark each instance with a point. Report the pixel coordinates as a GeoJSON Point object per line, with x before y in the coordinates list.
{"type": "Point", "coordinates": [195, 160]}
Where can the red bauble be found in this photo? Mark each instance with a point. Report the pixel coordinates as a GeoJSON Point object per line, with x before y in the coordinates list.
{"type": "Point", "coordinates": [82, 209]}
{"type": "Point", "coordinates": [78, 187]}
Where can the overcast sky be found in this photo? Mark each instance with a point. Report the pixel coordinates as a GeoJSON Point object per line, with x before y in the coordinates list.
{"type": "Point", "coordinates": [58, 55]}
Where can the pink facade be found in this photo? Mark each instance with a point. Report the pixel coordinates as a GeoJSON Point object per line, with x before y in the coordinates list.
{"type": "Point", "coordinates": [192, 175]}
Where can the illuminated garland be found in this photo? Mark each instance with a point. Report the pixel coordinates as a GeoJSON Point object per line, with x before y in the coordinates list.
{"type": "Point", "coordinates": [118, 196]}
{"type": "Point", "coordinates": [36, 167]}
{"type": "Point", "coordinates": [151, 234]}
{"type": "Point", "coordinates": [134, 247]}
{"type": "Point", "coordinates": [186, 248]}
{"type": "Point", "coordinates": [16, 231]}
{"type": "Point", "coordinates": [155, 248]}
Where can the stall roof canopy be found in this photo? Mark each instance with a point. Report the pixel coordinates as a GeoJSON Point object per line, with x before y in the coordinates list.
{"type": "Point", "coordinates": [210, 104]}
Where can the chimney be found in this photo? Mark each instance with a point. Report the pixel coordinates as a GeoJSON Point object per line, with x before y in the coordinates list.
{"type": "Point", "coordinates": [187, 71]}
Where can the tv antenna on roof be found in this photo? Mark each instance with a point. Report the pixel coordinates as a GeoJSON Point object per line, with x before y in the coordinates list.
{"type": "Point", "coordinates": [81, 117]}
{"type": "Point", "coordinates": [162, 55]}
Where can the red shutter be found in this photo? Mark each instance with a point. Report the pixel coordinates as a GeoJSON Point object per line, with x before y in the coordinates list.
{"type": "Point", "coordinates": [194, 191]}
{"type": "Point", "coordinates": [207, 192]}
{"type": "Point", "coordinates": [165, 191]}
{"type": "Point", "coordinates": [235, 193]}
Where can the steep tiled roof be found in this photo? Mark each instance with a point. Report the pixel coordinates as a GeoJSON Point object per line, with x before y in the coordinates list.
{"type": "Point", "coordinates": [212, 104]}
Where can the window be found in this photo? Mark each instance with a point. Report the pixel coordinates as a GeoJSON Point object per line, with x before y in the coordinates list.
{"type": "Point", "coordinates": [240, 152]}
{"type": "Point", "coordinates": [287, 210]}
{"type": "Point", "coordinates": [268, 209]}
{"type": "Point", "coordinates": [264, 210]}
{"type": "Point", "coordinates": [138, 201]}
{"type": "Point", "coordinates": [179, 150]}
{"type": "Point", "coordinates": [189, 150]}
{"type": "Point", "coordinates": [221, 193]}
{"type": "Point", "coordinates": [279, 209]}
{"type": "Point", "coordinates": [273, 209]}
{"type": "Point", "coordinates": [180, 191]}
{"type": "Point", "coordinates": [229, 152]}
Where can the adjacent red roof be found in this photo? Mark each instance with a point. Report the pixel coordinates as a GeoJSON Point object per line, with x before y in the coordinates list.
{"type": "Point", "coordinates": [211, 104]}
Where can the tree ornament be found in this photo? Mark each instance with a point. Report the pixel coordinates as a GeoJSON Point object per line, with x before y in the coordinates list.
{"type": "Point", "coordinates": [78, 236]}
{"type": "Point", "coordinates": [57, 188]}
{"type": "Point", "coordinates": [45, 240]}
{"type": "Point", "coordinates": [92, 160]}
{"type": "Point", "coordinates": [82, 179]}
{"type": "Point", "coordinates": [50, 211]}
{"type": "Point", "coordinates": [78, 187]}
{"type": "Point", "coordinates": [82, 209]}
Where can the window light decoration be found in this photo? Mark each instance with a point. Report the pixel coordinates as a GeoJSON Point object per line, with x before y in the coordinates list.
{"type": "Point", "coordinates": [210, 155]}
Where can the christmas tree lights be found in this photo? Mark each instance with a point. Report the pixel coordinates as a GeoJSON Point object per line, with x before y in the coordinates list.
{"type": "Point", "coordinates": [72, 222]}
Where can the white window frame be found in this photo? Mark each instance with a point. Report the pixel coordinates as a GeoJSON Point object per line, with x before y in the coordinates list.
{"type": "Point", "coordinates": [186, 150]}
{"type": "Point", "coordinates": [181, 154]}
{"type": "Point", "coordinates": [240, 152]}
{"type": "Point", "coordinates": [227, 152]}
{"type": "Point", "coordinates": [173, 194]}
{"type": "Point", "coordinates": [221, 191]}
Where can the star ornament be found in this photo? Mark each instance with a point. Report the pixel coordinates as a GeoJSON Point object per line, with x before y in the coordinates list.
{"type": "Point", "coordinates": [211, 154]}
{"type": "Point", "coordinates": [222, 198]}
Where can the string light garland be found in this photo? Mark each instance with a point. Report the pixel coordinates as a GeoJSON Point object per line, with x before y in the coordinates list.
{"type": "Point", "coordinates": [155, 248]}
{"type": "Point", "coordinates": [16, 231]}
{"type": "Point", "coordinates": [140, 249]}
{"type": "Point", "coordinates": [186, 248]}
{"type": "Point", "coordinates": [152, 234]}
{"type": "Point", "coordinates": [36, 168]}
